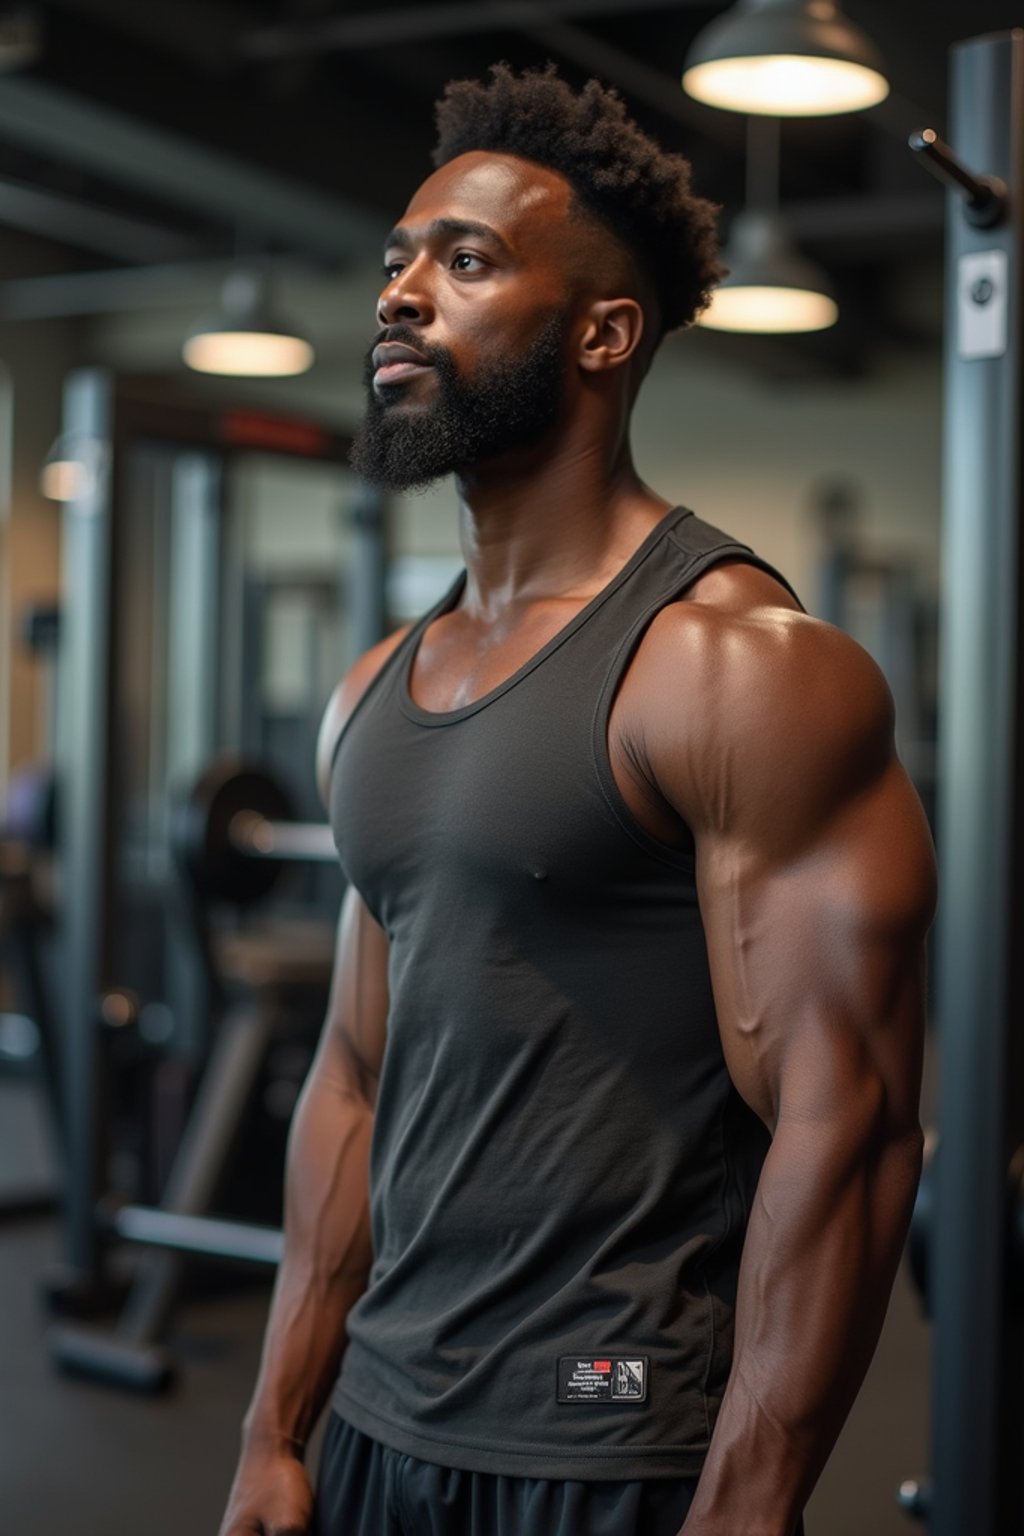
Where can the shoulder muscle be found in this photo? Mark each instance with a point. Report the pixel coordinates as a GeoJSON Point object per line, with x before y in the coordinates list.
{"type": "Point", "coordinates": [769, 720]}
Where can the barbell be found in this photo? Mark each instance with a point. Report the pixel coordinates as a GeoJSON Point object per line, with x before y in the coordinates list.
{"type": "Point", "coordinates": [234, 830]}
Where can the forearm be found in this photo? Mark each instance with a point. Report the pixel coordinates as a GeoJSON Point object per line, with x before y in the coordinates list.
{"type": "Point", "coordinates": [326, 1261]}
{"type": "Point", "coordinates": [822, 1249]}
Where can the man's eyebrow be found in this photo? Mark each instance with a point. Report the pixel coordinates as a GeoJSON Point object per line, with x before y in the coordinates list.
{"type": "Point", "coordinates": [403, 239]}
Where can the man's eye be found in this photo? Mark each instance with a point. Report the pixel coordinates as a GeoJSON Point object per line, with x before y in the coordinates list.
{"type": "Point", "coordinates": [463, 262]}
{"type": "Point", "coordinates": [391, 269]}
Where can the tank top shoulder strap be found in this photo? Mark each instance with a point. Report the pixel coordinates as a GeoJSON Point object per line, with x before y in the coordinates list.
{"type": "Point", "coordinates": [686, 549]}
{"type": "Point", "coordinates": [702, 546]}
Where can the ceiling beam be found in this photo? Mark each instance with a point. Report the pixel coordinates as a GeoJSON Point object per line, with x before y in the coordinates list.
{"type": "Point", "coordinates": [64, 295]}
{"type": "Point", "coordinates": [233, 192]}
{"type": "Point", "coordinates": [86, 227]}
{"type": "Point", "coordinates": [388, 26]}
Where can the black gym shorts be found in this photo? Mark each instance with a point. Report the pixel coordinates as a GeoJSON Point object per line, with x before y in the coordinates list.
{"type": "Point", "coordinates": [364, 1488]}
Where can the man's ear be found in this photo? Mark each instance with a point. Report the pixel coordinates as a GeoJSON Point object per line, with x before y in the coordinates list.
{"type": "Point", "coordinates": [612, 334]}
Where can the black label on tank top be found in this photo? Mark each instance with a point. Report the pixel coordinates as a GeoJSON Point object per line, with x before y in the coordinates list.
{"type": "Point", "coordinates": [602, 1379]}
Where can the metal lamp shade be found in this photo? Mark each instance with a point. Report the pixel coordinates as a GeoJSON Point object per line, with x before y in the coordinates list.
{"type": "Point", "coordinates": [246, 338]}
{"type": "Point", "coordinates": [785, 58]}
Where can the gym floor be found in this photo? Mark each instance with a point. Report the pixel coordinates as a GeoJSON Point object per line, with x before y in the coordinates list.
{"type": "Point", "coordinates": [77, 1457]}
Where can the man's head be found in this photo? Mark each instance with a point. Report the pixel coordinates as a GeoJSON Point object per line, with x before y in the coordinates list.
{"type": "Point", "coordinates": [535, 270]}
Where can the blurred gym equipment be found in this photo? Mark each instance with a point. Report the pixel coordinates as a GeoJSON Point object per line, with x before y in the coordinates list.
{"type": "Point", "coordinates": [236, 814]}
{"type": "Point", "coordinates": [228, 850]}
{"type": "Point", "coordinates": [221, 568]}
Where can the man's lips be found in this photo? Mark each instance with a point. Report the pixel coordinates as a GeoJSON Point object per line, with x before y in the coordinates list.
{"type": "Point", "coordinates": [394, 362]}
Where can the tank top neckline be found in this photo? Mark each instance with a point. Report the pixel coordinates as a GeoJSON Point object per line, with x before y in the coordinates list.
{"type": "Point", "coordinates": [414, 711]}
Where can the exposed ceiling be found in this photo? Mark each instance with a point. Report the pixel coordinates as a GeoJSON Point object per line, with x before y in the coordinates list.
{"type": "Point", "coordinates": [163, 131]}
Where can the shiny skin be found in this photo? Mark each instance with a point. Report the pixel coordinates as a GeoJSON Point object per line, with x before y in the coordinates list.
{"type": "Point", "coordinates": [767, 734]}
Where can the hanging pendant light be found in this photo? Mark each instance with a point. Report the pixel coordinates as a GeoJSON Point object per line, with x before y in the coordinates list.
{"type": "Point", "coordinates": [72, 468]}
{"type": "Point", "coordinates": [247, 338]}
{"type": "Point", "coordinates": [770, 287]}
{"type": "Point", "coordinates": [785, 58]}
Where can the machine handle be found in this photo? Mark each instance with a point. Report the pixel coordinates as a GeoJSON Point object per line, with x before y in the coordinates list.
{"type": "Point", "coordinates": [986, 196]}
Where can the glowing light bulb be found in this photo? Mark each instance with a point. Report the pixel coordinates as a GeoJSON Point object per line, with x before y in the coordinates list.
{"type": "Point", "coordinates": [252, 354]}
{"type": "Point", "coordinates": [766, 310]}
{"type": "Point", "coordinates": [786, 85]}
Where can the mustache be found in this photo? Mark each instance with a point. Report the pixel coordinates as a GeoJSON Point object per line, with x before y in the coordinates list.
{"type": "Point", "coordinates": [439, 357]}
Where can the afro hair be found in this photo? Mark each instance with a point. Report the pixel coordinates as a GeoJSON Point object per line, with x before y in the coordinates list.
{"type": "Point", "coordinates": [620, 175]}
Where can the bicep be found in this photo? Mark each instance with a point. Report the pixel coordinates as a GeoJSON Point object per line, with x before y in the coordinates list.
{"type": "Point", "coordinates": [816, 955]}
{"type": "Point", "coordinates": [351, 1047]}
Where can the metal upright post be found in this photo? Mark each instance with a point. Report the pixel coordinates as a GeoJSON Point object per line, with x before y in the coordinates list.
{"type": "Point", "coordinates": [978, 1379]}
{"type": "Point", "coordinates": [84, 806]}
{"type": "Point", "coordinates": [193, 677]}
{"type": "Point", "coordinates": [367, 584]}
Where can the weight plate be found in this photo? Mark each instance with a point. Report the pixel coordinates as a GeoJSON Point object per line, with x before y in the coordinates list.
{"type": "Point", "coordinates": [201, 831]}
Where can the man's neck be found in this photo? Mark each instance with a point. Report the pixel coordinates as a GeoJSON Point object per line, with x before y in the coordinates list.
{"type": "Point", "coordinates": [545, 524]}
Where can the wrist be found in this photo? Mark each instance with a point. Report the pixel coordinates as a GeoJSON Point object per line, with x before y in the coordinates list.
{"type": "Point", "coordinates": [260, 1438]}
{"type": "Point", "coordinates": [759, 1501]}
{"type": "Point", "coordinates": [743, 1511]}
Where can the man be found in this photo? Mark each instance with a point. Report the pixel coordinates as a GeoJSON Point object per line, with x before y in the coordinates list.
{"type": "Point", "coordinates": [601, 1175]}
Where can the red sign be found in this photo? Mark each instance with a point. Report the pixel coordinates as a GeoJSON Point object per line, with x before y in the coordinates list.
{"type": "Point", "coordinates": [278, 434]}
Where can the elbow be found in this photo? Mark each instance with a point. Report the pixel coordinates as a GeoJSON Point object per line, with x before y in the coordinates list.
{"type": "Point", "coordinates": [913, 1141]}
{"type": "Point", "coordinates": [904, 1150]}
{"type": "Point", "coordinates": [897, 1135]}
{"type": "Point", "coordinates": [879, 1136]}
{"type": "Point", "coordinates": [895, 1163]}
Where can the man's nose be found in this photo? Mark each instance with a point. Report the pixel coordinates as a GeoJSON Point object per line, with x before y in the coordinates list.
{"type": "Point", "coordinates": [404, 298]}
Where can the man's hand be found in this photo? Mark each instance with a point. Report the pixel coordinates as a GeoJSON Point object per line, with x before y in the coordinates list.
{"type": "Point", "coordinates": [270, 1496]}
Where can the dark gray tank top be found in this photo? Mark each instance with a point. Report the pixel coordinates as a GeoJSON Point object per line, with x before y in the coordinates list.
{"type": "Point", "coordinates": [561, 1169]}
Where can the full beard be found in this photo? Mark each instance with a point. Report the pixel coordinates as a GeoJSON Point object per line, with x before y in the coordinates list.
{"type": "Point", "coordinates": [469, 421]}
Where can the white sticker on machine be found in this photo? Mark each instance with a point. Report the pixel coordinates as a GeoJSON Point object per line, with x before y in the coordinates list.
{"type": "Point", "coordinates": [982, 304]}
